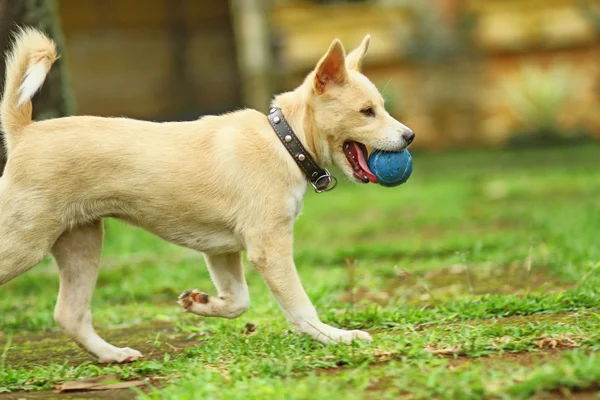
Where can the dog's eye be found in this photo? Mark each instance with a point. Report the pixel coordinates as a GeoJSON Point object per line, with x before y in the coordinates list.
{"type": "Point", "coordinates": [368, 111]}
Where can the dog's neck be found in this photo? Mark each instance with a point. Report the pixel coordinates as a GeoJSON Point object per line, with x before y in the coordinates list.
{"type": "Point", "coordinates": [299, 115]}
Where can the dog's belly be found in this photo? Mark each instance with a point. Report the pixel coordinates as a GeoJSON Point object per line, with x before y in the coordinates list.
{"type": "Point", "coordinates": [207, 239]}
{"type": "Point", "coordinates": [203, 232]}
{"type": "Point", "coordinates": [210, 241]}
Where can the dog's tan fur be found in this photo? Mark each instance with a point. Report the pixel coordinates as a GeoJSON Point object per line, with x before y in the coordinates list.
{"type": "Point", "coordinates": [220, 185]}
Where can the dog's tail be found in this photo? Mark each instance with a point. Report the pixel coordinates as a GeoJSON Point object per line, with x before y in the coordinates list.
{"type": "Point", "coordinates": [27, 65]}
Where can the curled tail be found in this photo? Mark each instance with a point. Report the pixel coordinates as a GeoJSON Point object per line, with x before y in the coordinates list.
{"type": "Point", "coordinates": [27, 65]}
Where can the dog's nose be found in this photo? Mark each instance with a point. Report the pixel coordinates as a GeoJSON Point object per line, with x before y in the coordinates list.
{"type": "Point", "coordinates": [409, 136]}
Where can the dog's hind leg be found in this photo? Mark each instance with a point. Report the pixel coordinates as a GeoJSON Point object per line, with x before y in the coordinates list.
{"type": "Point", "coordinates": [77, 253]}
{"type": "Point", "coordinates": [227, 273]}
{"type": "Point", "coordinates": [27, 232]}
{"type": "Point", "coordinates": [20, 251]}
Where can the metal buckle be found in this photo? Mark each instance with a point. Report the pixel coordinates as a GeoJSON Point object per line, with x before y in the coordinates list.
{"type": "Point", "coordinates": [330, 179]}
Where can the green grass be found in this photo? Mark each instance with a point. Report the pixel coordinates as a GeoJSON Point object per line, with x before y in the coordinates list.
{"type": "Point", "coordinates": [490, 257]}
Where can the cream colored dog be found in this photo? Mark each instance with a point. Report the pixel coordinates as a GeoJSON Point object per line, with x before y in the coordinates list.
{"type": "Point", "coordinates": [220, 185]}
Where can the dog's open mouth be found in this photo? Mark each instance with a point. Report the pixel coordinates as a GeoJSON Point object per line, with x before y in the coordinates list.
{"type": "Point", "coordinates": [357, 155]}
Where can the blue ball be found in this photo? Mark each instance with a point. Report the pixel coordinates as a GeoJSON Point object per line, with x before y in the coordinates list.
{"type": "Point", "coordinates": [391, 168]}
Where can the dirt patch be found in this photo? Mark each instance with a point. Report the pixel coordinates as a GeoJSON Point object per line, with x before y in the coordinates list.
{"type": "Point", "coordinates": [362, 294]}
{"type": "Point", "coordinates": [567, 318]}
{"type": "Point", "coordinates": [504, 361]}
{"type": "Point", "coordinates": [122, 394]}
{"type": "Point", "coordinates": [482, 279]}
{"type": "Point", "coordinates": [585, 394]}
{"type": "Point", "coordinates": [499, 362]}
{"type": "Point", "coordinates": [507, 360]}
{"type": "Point", "coordinates": [153, 340]}
{"type": "Point", "coordinates": [458, 281]}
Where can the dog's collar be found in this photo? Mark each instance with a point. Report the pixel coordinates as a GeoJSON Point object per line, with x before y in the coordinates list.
{"type": "Point", "coordinates": [319, 178]}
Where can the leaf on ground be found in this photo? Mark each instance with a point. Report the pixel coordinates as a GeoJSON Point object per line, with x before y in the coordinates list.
{"type": "Point", "coordinates": [446, 351]}
{"type": "Point", "coordinates": [106, 382]}
{"type": "Point", "coordinates": [381, 354]}
{"type": "Point", "coordinates": [498, 343]}
{"type": "Point", "coordinates": [249, 329]}
{"type": "Point", "coordinates": [561, 342]}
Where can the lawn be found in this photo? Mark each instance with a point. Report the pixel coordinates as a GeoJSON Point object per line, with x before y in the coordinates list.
{"type": "Point", "coordinates": [477, 279]}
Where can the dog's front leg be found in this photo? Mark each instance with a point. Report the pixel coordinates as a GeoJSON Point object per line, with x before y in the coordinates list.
{"type": "Point", "coordinates": [272, 257]}
{"type": "Point", "coordinates": [227, 273]}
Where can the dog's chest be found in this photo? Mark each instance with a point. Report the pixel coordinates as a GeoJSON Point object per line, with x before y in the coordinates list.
{"type": "Point", "coordinates": [296, 200]}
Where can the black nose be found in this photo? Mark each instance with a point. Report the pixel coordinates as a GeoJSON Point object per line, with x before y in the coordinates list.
{"type": "Point", "coordinates": [409, 136]}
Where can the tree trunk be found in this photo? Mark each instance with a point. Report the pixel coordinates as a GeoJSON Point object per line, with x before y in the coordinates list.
{"type": "Point", "coordinates": [250, 25]}
{"type": "Point", "coordinates": [55, 98]}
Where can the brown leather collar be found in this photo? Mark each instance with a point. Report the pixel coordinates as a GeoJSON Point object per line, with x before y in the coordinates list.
{"type": "Point", "coordinates": [319, 178]}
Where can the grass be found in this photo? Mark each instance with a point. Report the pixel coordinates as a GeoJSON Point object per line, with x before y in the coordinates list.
{"type": "Point", "coordinates": [477, 279]}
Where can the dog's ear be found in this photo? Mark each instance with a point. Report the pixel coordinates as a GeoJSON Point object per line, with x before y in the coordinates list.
{"type": "Point", "coordinates": [331, 68]}
{"type": "Point", "coordinates": [354, 59]}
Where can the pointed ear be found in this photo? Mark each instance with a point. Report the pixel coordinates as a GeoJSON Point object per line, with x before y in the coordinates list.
{"type": "Point", "coordinates": [354, 59]}
{"type": "Point", "coordinates": [331, 68]}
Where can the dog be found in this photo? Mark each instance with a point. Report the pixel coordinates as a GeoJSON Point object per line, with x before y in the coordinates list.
{"type": "Point", "coordinates": [220, 185]}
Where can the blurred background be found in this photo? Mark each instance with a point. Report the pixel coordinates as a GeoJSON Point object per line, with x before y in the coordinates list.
{"type": "Point", "coordinates": [503, 96]}
{"type": "Point", "coordinates": [460, 73]}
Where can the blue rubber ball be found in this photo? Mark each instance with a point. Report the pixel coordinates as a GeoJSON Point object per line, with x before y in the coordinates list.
{"type": "Point", "coordinates": [391, 168]}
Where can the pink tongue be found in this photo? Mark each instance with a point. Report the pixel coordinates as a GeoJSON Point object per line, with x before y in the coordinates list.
{"type": "Point", "coordinates": [363, 163]}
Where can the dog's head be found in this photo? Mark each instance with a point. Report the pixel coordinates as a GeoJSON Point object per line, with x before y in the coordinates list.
{"type": "Point", "coordinates": [349, 113]}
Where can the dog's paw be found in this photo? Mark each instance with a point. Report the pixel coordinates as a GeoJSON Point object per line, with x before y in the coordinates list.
{"type": "Point", "coordinates": [327, 334]}
{"type": "Point", "coordinates": [123, 355]}
{"type": "Point", "coordinates": [350, 336]}
{"type": "Point", "coordinates": [189, 297]}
